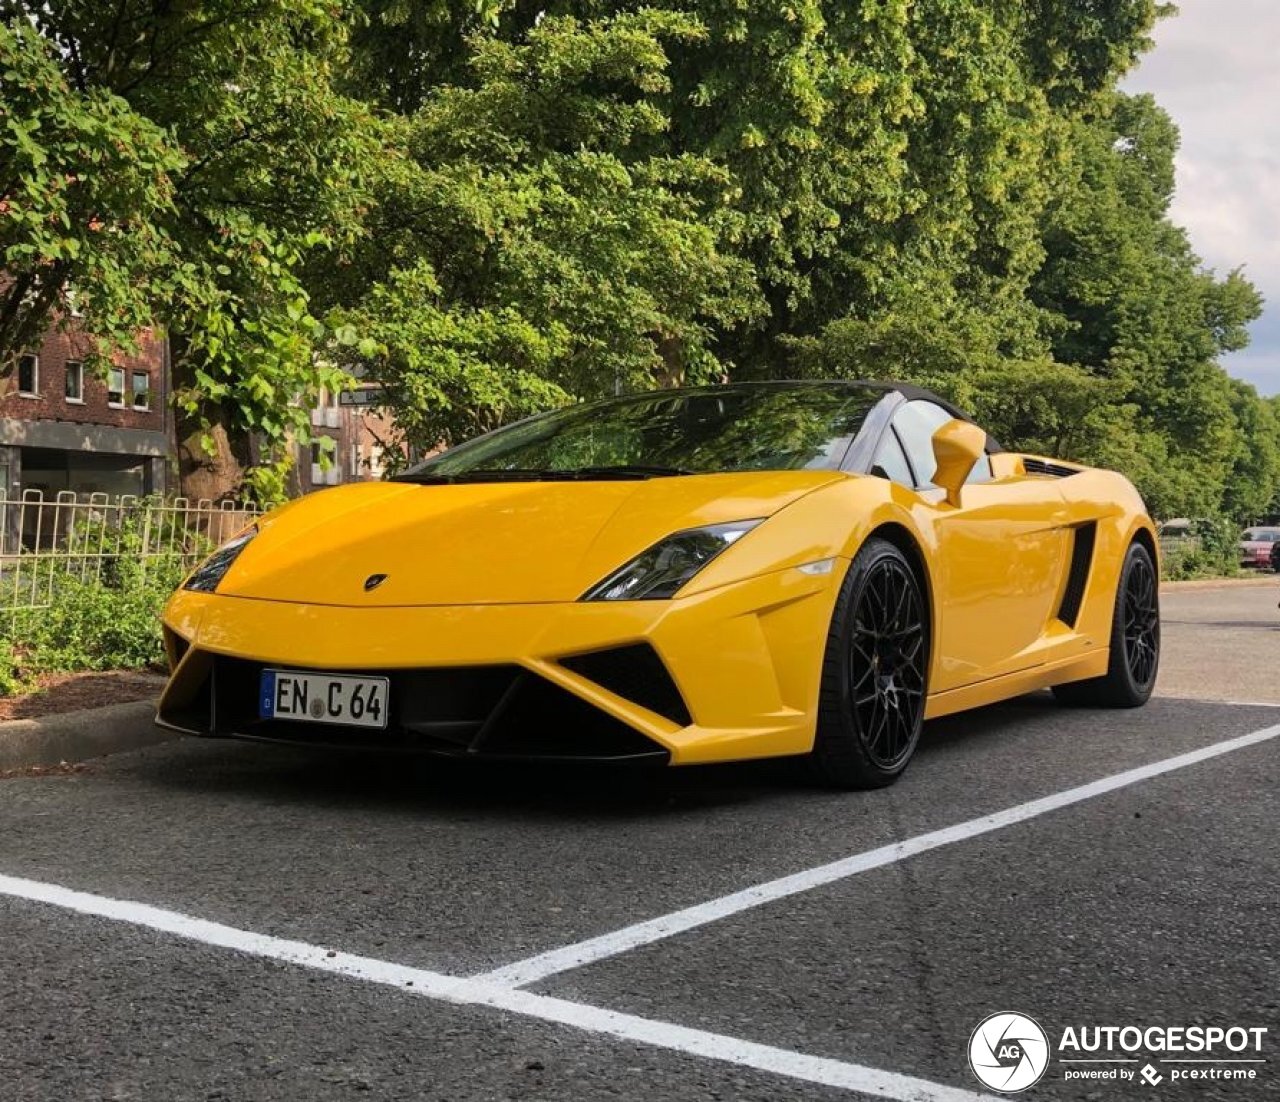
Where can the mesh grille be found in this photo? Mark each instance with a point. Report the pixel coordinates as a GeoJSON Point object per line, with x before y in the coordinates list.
{"type": "Point", "coordinates": [637, 674]}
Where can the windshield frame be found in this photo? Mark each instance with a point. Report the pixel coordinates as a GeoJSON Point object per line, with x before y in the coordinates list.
{"type": "Point", "coordinates": [855, 458]}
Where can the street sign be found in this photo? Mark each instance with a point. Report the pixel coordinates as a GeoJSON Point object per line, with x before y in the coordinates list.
{"type": "Point", "coordinates": [365, 396]}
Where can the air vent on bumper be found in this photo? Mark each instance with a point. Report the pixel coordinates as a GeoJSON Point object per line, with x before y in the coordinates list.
{"type": "Point", "coordinates": [637, 674]}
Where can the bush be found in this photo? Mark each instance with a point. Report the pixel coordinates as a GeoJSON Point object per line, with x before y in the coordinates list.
{"type": "Point", "coordinates": [11, 680]}
{"type": "Point", "coordinates": [91, 623]}
{"type": "Point", "coordinates": [1211, 552]}
{"type": "Point", "coordinates": [97, 615]}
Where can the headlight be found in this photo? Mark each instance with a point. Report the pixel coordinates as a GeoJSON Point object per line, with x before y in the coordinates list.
{"type": "Point", "coordinates": [208, 574]}
{"type": "Point", "coordinates": [662, 571]}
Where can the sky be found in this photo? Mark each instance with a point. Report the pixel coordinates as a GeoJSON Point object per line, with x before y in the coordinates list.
{"type": "Point", "coordinates": [1215, 70]}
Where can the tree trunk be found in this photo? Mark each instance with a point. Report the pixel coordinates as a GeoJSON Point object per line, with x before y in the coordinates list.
{"type": "Point", "coordinates": [217, 477]}
{"type": "Point", "coordinates": [671, 372]}
{"type": "Point", "coordinates": [201, 475]}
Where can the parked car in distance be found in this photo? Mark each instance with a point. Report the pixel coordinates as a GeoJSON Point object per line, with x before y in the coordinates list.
{"type": "Point", "coordinates": [1256, 547]}
{"type": "Point", "coordinates": [1275, 557]}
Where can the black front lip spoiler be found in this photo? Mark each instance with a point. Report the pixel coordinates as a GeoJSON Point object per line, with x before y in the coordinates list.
{"type": "Point", "coordinates": [652, 757]}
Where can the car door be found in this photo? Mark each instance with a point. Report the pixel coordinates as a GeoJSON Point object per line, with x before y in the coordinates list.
{"type": "Point", "coordinates": [999, 557]}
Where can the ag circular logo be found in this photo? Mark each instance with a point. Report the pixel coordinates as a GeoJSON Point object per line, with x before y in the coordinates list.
{"type": "Point", "coordinates": [1009, 1052]}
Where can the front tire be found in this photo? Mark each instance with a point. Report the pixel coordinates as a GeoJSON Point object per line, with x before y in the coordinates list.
{"type": "Point", "coordinates": [1135, 641]}
{"type": "Point", "coordinates": [874, 673]}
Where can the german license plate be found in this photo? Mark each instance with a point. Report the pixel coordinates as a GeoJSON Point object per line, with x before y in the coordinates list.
{"type": "Point", "coordinates": [323, 698]}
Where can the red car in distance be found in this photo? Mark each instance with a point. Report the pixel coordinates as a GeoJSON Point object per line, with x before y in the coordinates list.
{"type": "Point", "coordinates": [1256, 545]}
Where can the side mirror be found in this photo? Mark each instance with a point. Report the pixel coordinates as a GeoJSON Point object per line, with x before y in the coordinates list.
{"type": "Point", "coordinates": [957, 446]}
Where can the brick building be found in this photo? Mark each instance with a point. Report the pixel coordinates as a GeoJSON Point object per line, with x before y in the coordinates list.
{"type": "Point", "coordinates": [66, 427]}
{"type": "Point", "coordinates": [358, 429]}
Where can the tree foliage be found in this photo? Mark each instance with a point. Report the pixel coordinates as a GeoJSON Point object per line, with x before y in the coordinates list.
{"type": "Point", "coordinates": [494, 206]}
{"type": "Point", "coordinates": [1132, 304]}
{"type": "Point", "coordinates": [85, 189]}
{"type": "Point", "coordinates": [173, 164]}
{"type": "Point", "coordinates": [527, 249]}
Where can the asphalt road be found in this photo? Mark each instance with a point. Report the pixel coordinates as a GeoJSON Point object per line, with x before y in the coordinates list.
{"type": "Point", "coordinates": [1151, 900]}
{"type": "Point", "coordinates": [1223, 643]}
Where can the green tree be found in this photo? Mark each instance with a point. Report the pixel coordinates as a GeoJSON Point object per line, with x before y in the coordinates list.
{"type": "Point", "coordinates": [203, 154]}
{"type": "Point", "coordinates": [402, 50]}
{"type": "Point", "coordinates": [871, 147]}
{"type": "Point", "coordinates": [1132, 304]}
{"type": "Point", "coordinates": [501, 205]}
{"type": "Point", "coordinates": [86, 185]}
{"type": "Point", "coordinates": [1253, 483]}
{"type": "Point", "coordinates": [527, 250]}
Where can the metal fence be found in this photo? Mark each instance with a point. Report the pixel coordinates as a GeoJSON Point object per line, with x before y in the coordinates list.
{"type": "Point", "coordinates": [90, 536]}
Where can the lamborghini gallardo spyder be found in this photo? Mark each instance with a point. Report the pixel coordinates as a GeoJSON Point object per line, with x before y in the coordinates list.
{"type": "Point", "coordinates": [684, 576]}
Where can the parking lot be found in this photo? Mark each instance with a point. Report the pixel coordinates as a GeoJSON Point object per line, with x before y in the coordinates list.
{"type": "Point", "coordinates": [210, 920]}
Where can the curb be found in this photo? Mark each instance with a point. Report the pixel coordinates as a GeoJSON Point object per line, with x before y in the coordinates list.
{"type": "Point", "coordinates": [1223, 583]}
{"type": "Point", "coordinates": [75, 736]}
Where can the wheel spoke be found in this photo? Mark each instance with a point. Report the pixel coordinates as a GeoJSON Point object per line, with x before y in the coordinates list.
{"type": "Point", "coordinates": [904, 725]}
{"type": "Point", "coordinates": [902, 609]}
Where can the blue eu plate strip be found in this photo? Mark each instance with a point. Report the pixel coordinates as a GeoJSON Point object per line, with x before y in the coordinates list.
{"type": "Point", "coordinates": [267, 697]}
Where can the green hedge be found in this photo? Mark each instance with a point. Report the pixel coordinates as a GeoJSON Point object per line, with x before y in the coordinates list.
{"type": "Point", "coordinates": [90, 623]}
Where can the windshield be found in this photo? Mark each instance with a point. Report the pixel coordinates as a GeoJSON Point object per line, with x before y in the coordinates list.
{"type": "Point", "coordinates": [1262, 535]}
{"type": "Point", "coordinates": [727, 428]}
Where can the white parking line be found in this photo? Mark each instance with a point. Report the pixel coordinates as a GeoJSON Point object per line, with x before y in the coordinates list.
{"type": "Point", "coordinates": [464, 991]}
{"type": "Point", "coordinates": [1222, 703]}
{"type": "Point", "coordinates": [539, 967]}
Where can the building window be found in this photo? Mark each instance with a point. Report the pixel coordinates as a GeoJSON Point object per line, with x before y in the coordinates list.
{"type": "Point", "coordinates": [142, 390]}
{"type": "Point", "coordinates": [115, 388]}
{"type": "Point", "coordinates": [75, 382]}
{"type": "Point", "coordinates": [29, 376]}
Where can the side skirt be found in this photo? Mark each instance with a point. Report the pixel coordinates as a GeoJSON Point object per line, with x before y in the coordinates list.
{"type": "Point", "coordinates": [1076, 668]}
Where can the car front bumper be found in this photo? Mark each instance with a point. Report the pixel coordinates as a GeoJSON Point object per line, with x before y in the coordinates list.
{"type": "Point", "coordinates": [724, 675]}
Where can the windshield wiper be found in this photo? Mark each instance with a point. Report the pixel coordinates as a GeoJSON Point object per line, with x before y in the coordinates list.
{"type": "Point", "coordinates": [626, 470]}
{"type": "Point", "coordinates": [496, 474]}
{"type": "Point", "coordinates": [535, 474]}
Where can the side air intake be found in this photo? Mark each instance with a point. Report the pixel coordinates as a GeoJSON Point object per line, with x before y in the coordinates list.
{"type": "Point", "coordinates": [1078, 573]}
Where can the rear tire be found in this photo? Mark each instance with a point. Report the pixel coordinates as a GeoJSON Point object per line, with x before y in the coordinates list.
{"type": "Point", "coordinates": [1135, 642]}
{"type": "Point", "coordinates": [874, 673]}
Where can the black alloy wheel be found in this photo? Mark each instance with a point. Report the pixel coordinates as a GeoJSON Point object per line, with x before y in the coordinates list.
{"type": "Point", "coordinates": [1141, 622]}
{"type": "Point", "coordinates": [875, 672]}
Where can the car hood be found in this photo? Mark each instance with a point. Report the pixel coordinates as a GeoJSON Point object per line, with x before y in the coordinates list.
{"type": "Point", "coordinates": [486, 543]}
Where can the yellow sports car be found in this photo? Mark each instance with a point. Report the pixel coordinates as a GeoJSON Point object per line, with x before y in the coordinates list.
{"type": "Point", "coordinates": [699, 575]}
